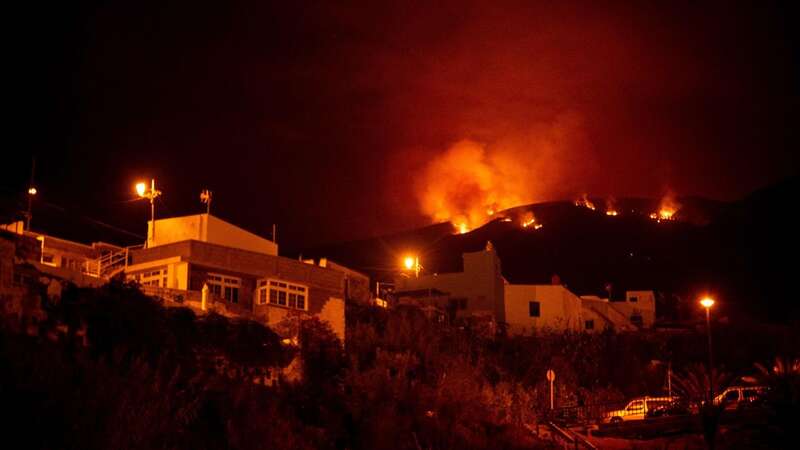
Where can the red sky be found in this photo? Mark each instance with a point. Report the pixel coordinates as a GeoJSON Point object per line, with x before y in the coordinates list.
{"type": "Point", "coordinates": [322, 118]}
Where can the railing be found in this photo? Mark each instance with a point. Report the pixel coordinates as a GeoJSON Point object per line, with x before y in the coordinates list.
{"type": "Point", "coordinates": [109, 264]}
{"type": "Point", "coordinates": [585, 414]}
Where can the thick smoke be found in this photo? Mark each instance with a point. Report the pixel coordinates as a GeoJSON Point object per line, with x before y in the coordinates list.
{"type": "Point", "coordinates": [471, 181]}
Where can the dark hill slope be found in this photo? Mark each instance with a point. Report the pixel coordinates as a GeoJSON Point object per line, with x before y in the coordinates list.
{"type": "Point", "coordinates": [740, 252]}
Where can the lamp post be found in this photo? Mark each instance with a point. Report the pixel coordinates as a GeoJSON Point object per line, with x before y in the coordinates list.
{"type": "Point", "coordinates": [707, 303]}
{"type": "Point", "coordinates": [412, 263]}
{"type": "Point", "coordinates": [151, 194]}
{"type": "Point", "coordinates": [31, 193]}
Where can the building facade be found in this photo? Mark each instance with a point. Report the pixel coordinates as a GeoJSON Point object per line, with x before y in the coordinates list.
{"type": "Point", "coordinates": [481, 290]}
{"type": "Point", "coordinates": [240, 272]}
{"type": "Point", "coordinates": [477, 291]}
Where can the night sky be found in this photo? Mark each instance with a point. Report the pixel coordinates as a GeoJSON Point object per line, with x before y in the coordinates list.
{"type": "Point", "coordinates": [321, 116]}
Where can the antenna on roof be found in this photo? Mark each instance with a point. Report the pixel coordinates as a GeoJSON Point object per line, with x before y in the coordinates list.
{"type": "Point", "coordinates": [205, 197]}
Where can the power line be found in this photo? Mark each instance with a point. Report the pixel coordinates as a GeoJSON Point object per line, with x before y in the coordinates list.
{"type": "Point", "coordinates": [89, 219]}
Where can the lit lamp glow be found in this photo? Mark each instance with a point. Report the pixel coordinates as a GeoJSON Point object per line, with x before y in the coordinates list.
{"type": "Point", "coordinates": [707, 303]}
{"type": "Point", "coordinates": [151, 194]}
{"type": "Point", "coordinates": [412, 263]}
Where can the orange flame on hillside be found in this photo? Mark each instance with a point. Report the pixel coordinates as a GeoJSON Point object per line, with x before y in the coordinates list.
{"type": "Point", "coordinates": [471, 183]}
{"type": "Point", "coordinates": [585, 202]}
{"type": "Point", "coordinates": [466, 187]}
{"type": "Point", "coordinates": [529, 221]}
{"type": "Point", "coordinates": [667, 209]}
{"type": "Point", "coordinates": [611, 208]}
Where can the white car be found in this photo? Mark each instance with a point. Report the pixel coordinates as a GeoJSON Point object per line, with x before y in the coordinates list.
{"type": "Point", "coordinates": [638, 409]}
{"type": "Point", "coordinates": [738, 396]}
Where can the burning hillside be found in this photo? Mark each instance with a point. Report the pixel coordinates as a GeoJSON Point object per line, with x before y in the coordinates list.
{"type": "Point", "coordinates": [471, 182]}
{"type": "Point", "coordinates": [666, 209]}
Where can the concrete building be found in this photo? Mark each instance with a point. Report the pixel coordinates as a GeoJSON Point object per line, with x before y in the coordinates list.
{"type": "Point", "coordinates": [541, 307]}
{"type": "Point", "coordinates": [481, 290]}
{"type": "Point", "coordinates": [81, 264]}
{"type": "Point", "coordinates": [241, 273]}
{"type": "Point", "coordinates": [636, 312]}
{"type": "Point", "coordinates": [477, 291]}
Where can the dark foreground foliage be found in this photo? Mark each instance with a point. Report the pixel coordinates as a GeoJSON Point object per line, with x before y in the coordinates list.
{"type": "Point", "coordinates": [149, 377]}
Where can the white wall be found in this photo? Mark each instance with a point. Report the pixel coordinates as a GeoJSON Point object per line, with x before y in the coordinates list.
{"type": "Point", "coordinates": [224, 233]}
{"type": "Point", "coordinates": [481, 284]}
{"type": "Point", "coordinates": [559, 308]}
{"type": "Point", "coordinates": [207, 228]}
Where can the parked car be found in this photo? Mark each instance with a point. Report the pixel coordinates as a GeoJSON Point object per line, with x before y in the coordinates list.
{"type": "Point", "coordinates": [638, 409]}
{"type": "Point", "coordinates": [676, 407]}
{"type": "Point", "coordinates": [735, 397]}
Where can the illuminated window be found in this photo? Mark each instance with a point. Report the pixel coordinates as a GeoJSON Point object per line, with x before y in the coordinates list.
{"type": "Point", "coordinates": [223, 286]}
{"type": "Point", "coordinates": [534, 309]}
{"type": "Point", "coordinates": [282, 293]}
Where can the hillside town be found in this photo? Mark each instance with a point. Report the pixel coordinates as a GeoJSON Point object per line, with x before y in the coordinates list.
{"type": "Point", "coordinates": [449, 225]}
{"type": "Point", "coordinates": [213, 268]}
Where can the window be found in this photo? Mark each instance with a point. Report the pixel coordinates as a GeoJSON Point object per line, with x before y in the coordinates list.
{"type": "Point", "coordinates": [732, 396]}
{"type": "Point", "coordinates": [224, 287]}
{"type": "Point", "coordinates": [282, 293]}
{"type": "Point", "coordinates": [49, 259]}
{"type": "Point", "coordinates": [635, 406]}
{"type": "Point", "coordinates": [633, 299]}
{"type": "Point", "coordinates": [534, 309]}
{"type": "Point", "coordinates": [589, 324]}
{"type": "Point", "coordinates": [636, 319]}
{"type": "Point", "coordinates": [156, 278]}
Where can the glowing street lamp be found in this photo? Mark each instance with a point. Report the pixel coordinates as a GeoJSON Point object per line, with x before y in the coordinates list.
{"type": "Point", "coordinates": [151, 194]}
{"type": "Point", "coordinates": [707, 303]}
{"type": "Point", "coordinates": [31, 193]}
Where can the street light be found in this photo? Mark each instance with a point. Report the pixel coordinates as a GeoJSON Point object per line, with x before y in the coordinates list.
{"type": "Point", "coordinates": [707, 303]}
{"type": "Point", "coordinates": [31, 193]}
{"type": "Point", "coordinates": [412, 263]}
{"type": "Point", "coordinates": [141, 189]}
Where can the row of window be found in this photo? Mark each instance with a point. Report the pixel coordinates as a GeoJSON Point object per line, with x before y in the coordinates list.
{"type": "Point", "coordinates": [156, 278]}
{"type": "Point", "coordinates": [224, 287]}
{"type": "Point", "coordinates": [274, 292]}
{"type": "Point", "coordinates": [282, 293]}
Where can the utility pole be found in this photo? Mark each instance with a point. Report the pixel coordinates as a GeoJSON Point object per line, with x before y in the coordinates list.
{"type": "Point", "coordinates": [152, 194]}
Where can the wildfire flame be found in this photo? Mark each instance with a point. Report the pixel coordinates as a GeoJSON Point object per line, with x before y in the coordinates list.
{"type": "Point", "coordinates": [666, 209]}
{"type": "Point", "coordinates": [471, 183]}
{"type": "Point", "coordinates": [529, 221]}
{"type": "Point", "coordinates": [611, 209]}
{"type": "Point", "coordinates": [585, 202]}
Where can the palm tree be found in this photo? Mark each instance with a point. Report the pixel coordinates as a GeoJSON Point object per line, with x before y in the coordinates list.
{"type": "Point", "coordinates": [694, 385]}
{"type": "Point", "coordinates": [783, 390]}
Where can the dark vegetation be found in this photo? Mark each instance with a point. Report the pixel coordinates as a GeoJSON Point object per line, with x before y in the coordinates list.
{"type": "Point", "coordinates": [155, 377]}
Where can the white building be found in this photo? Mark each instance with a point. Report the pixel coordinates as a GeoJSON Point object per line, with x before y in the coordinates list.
{"type": "Point", "coordinates": [481, 290]}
